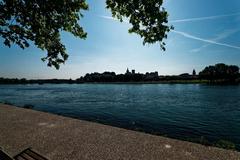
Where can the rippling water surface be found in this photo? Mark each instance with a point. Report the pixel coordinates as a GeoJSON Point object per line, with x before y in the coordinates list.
{"type": "Point", "coordinates": [183, 111]}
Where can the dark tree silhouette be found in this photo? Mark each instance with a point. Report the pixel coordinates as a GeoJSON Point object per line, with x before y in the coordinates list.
{"type": "Point", "coordinates": [220, 71]}
{"type": "Point", "coordinates": [41, 21]}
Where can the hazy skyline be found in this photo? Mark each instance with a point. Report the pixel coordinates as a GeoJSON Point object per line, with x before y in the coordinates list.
{"type": "Point", "coordinates": [206, 32]}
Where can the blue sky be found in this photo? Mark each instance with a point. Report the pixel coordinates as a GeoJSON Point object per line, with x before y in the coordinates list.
{"type": "Point", "coordinates": [206, 32]}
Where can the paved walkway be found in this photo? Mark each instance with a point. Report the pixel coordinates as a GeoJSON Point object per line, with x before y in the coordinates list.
{"type": "Point", "coordinates": [58, 138]}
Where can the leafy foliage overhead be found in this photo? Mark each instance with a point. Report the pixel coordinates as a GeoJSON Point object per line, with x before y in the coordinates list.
{"type": "Point", "coordinates": [148, 18]}
{"type": "Point", "coordinates": [41, 21]}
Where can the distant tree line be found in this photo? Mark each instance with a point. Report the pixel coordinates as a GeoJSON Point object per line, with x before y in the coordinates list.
{"type": "Point", "coordinates": [219, 73]}
{"type": "Point", "coordinates": [113, 77]}
{"type": "Point", "coordinates": [37, 81]}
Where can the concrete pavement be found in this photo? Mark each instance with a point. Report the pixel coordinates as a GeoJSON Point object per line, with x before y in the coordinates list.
{"type": "Point", "coordinates": [62, 138]}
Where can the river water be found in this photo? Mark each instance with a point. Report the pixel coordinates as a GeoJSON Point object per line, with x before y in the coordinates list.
{"type": "Point", "coordinates": [182, 111]}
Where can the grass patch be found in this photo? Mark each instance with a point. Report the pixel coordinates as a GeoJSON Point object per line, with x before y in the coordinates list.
{"type": "Point", "coordinates": [6, 102]}
{"type": "Point", "coordinates": [28, 106]}
{"type": "Point", "coordinates": [219, 144]}
{"type": "Point", "coordinates": [225, 144]}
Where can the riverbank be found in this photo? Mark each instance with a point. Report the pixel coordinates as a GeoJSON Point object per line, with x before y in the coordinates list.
{"type": "Point", "coordinates": [7, 81]}
{"type": "Point", "coordinates": [58, 137]}
{"type": "Point", "coordinates": [207, 82]}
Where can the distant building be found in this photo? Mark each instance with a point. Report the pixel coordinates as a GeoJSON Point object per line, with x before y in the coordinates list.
{"type": "Point", "coordinates": [154, 74]}
{"type": "Point", "coordinates": [133, 71]}
{"type": "Point", "coordinates": [185, 75]}
{"type": "Point", "coordinates": [127, 71]}
{"type": "Point", "coordinates": [151, 76]}
{"type": "Point", "coordinates": [194, 72]}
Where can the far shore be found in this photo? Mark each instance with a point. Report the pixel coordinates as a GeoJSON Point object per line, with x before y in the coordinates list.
{"type": "Point", "coordinates": [163, 82]}
{"type": "Point", "coordinates": [66, 81]}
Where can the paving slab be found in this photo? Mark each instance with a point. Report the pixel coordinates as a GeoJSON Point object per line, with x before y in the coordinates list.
{"type": "Point", "coordinates": [62, 138]}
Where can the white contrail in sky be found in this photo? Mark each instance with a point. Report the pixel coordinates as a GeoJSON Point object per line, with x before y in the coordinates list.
{"type": "Point", "coordinates": [204, 40]}
{"type": "Point", "coordinates": [189, 19]}
{"type": "Point", "coordinates": [107, 17]}
{"type": "Point", "coordinates": [111, 18]}
{"type": "Point", "coordinates": [192, 36]}
{"type": "Point", "coordinates": [223, 35]}
{"type": "Point", "coordinates": [204, 18]}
